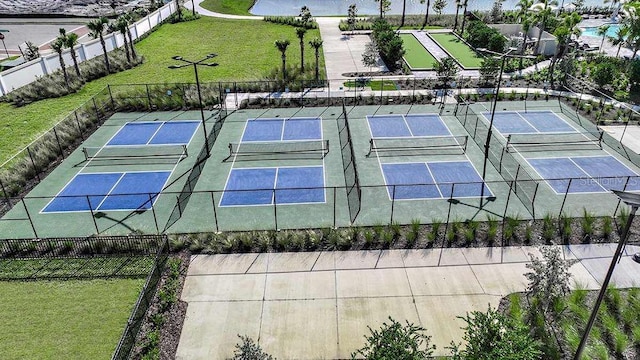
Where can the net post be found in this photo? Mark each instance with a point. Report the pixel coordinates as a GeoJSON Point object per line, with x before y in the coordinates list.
{"type": "Point", "coordinates": [215, 212]}
{"type": "Point", "coordinates": [153, 212]}
{"type": "Point", "coordinates": [370, 147]}
{"type": "Point", "coordinates": [566, 193]}
{"type": "Point", "coordinates": [508, 143]}
{"type": "Point", "coordinates": [184, 151]}
{"type": "Point", "coordinates": [466, 141]}
{"type": "Point", "coordinates": [600, 136]}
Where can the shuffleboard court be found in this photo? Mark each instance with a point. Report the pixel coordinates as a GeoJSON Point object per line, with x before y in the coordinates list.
{"type": "Point", "coordinates": [416, 55]}
{"type": "Point", "coordinates": [466, 57]}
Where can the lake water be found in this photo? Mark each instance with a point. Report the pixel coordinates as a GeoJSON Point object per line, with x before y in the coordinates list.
{"type": "Point", "coordinates": [371, 7]}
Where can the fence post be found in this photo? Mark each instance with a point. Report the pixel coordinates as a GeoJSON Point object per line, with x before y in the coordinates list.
{"type": "Point", "coordinates": [113, 103]}
{"type": "Point", "coordinates": [393, 203]}
{"type": "Point", "coordinates": [566, 193]}
{"type": "Point", "coordinates": [55, 133]}
{"type": "Point", "coordinates": [148, 96]}
{"type": "Point", "coordinates": [178, 205]}
{"type": "Point", "coordinates": [334, 207]}
{"type": "Point", "coordinates": [95, 107]}
{"type": "Point", "coordinates": [35, 167]}
{"type": "Point", "coordinates": [215, 213]}
{"type": "Point", "coordinates": [33, 226]}
{"type": "Point", "coordinates": [153, 211]}
{"type": "Point", "coordinates": [4, 192]}
{"type": "Point", "coordinates": [93, 216]}
{"type": "Point", "coordinates": [275, 209]}
{"type": "Point", "coordinates": [78, 123]}
{"type": "Point", "coordinates": [533, 201]}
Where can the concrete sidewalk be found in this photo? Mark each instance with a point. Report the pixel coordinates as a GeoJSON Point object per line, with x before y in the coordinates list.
{"type": "Point", "coordinates": [319, 304]}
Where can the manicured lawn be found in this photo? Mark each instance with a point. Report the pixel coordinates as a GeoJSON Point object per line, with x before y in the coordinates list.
{"type": "Point", "coordinates": [459, 50]}
{"type": "Point", "coordinates": [416, 56]}
{"type": "Point", "coordinates": [65, 319]}
{"type": "Point", "coordinates": [373, 84]}
{"type": "Point", "coordinates": [245, 52]}
{"type": "Point", "coordinates": [234, 7]}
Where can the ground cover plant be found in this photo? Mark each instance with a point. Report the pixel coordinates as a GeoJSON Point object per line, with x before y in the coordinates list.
{"type": "Point", "coordinates": [233, 7]}
{"type": "Point", "coordinates": [245, 52]}
{"type": "Point", "coordinates": [468, 58]}
{"type": "Point", "coordinates": [416, 56]}
{"type": "Point", "coordinates": [65, 319]}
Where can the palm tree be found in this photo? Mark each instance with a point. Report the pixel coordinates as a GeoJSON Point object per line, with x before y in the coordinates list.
{"type": "Point", "coordinates": [58, 45]}
{"type": "Point", "coordinates": [563, 33]}
{"type": "Point", "coordinates": [131, 47]}
{"type": "Point", "coordinates": [123, 26]}
{"type": "Point", "coordinates": [464, 16]}
{"type": "Point", "coordinates": [179, 11]}
{"type": "Point", "coordinates": [620, 39]}
{"type": "Point", "coordinates": [300, 34]}
{"type": "Point", "coordinates": [455, 24]}
{"type": "Point", "coordinates": [282, 46]}
{"type": "Point", "coordinates": [70, 41]}
{"type": "Point", "coordinates": [526, 26]}
{"type": "Point", "coordinates": [426, 15]}
{"type": "Point", "coordinates": [543, 11]}
{"type": "Point", "coordinates": [602, 31]}
{"type": "Point", "coordinates": [96, 28]}
{"type": "Point", "coordinates": [404, 10]}
{"type": "Point", "coordinates": [316, 44]}
{"type": "Point", "coordinates": [632, 22]}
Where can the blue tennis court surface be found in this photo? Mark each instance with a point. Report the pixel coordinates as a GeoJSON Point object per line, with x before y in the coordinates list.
{"type": "Point", "coordinates": [109, 191]}
{"type": "Point", "coordinates": [386, 126]}
{"type": "Point", "coordinates": [155, 133]}
{"type": "Point", "coordinates": [277, 129]}
{"type": "Point", "coordinates": [590, 174]}
{"type": "Point", "coordinates": [289, 185]}
{"type": "Point", "coordinates": [433, 180]}
{"type": "Point", "coordinates": [515, 122]}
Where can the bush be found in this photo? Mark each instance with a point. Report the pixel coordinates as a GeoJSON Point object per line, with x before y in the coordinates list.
{"type": "Point", "coordinates": [291, 21]}
{"type": "Point", "coordinates": [479, 35]}
{"type": "Point", "coordinates": [395, 341]}
{"type": "Point", "coordinates": [388, 43]}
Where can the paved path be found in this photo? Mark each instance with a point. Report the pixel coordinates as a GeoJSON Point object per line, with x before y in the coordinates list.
{"type": "Point", "coordinates": [319, 304]}
{"type": "Point", "coordinates": [430, 45]}
{"type": "Point", "coordinates": [202, 11]}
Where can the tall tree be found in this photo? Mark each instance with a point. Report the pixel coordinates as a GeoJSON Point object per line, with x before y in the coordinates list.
{"type": "Point", "coordinates": [563, 33]}
{"type": "Point", "coordinates": [620, 39]}
{"type": "Point", "coordinates": [123, 26]}
{"type": "Point", "coordinates": [439, 5]}
{"type": "Point", "coordinates": [385, 5]}
{"type": "Point", "coordinates": [543, 10]}
{"type": "Point", "coordinates": [300, 34]}
{"type": "Point", "coordinates": [351, 17]}
{"type": "Point", "coordinates": [282, 46]}
{"type": "Point", "coordinates": [316, 44]}
{"type": "Point", "coordinates": [426, 14]}
{"type": "Point", "coordinates": [602, 31]}
{"type": "Point", "coordinates": [179, 10]}
{"type": "Point", "coordinates": [455, 23]}
{"type": "Point", "coordinates": [70, 41]}
{"type": "Point", "coordinates": [464, 16]}
{"type": "Point", "coordinates": [58, 45]}
{"type": "Point", "coordinates": [96, 28]}
{"type": "Point", "coordinates": [523, 17]}
{"type": "Point", "coordinates": [404, 12]}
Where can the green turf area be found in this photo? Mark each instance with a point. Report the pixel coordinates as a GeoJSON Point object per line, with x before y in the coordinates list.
{"type": "Point", "coordinates": [416, 56]}
{"type": "Point", "coordinates": [245, 52]}
{"type": "Point", "coordinates": [458, 49]}
{"type": "Point", "coordinates": [234, 7]}
{"type": "Point", "coordinates": [373, 84]}
{"type": "Point", "coordinates": [65, 319]}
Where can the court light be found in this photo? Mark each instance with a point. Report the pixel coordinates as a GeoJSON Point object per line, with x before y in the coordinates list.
{"type": "Point", "coordinates": [632, 200]}
{"type": "Point", "coordinates": [195, 70]}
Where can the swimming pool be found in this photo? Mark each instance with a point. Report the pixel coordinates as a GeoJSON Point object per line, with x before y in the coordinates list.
{"type": "Point", "coordinates": [593, 31]}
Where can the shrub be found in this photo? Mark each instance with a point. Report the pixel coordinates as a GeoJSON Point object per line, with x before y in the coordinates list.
{"type": "Point", "coordinates": [396, 341]}
{"type": "Point", "coordinates": [291, 21]}
{"type": "Point", "coordinates": [247, 349]}
{"type": "Point", "coordinates": [388, 43]}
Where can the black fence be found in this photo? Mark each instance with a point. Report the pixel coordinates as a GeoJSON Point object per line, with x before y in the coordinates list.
{"type": "Point", "coordinates": [134, 323]}
{"type": "Point", "coordinates": [354, 193]}
{"type": "Point", "coordinates": [78, 258]}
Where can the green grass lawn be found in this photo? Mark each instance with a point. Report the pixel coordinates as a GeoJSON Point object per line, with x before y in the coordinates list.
{"type": "Point", "coordinates": [65, 319]}
{"type": "Point", "coordinates": [416, 56]}
{"type": "Point", "coordinates": [373, 84]}
{"type": "Point", "coordinates": [245, 52]}
{"type": "Point", "coordinates": [234, 7]}
{"type": "Point", "coordinates": [459, 50]}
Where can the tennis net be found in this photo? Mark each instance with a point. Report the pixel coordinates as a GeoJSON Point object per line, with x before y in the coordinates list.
{"type": "Point", "coordinates": [177, 151]}
{"type": "Point", "coordinates": [555, 141]}
{"type": "Point", "coordinates": [419, 144]}
{"type": "Point", "coordinates": [320, 147]}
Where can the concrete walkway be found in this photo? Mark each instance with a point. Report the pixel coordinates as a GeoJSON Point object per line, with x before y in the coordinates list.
{"type": "Point", "coordinates": [319, 304]}
{"type": "Point", "coordinates": [202, 11]}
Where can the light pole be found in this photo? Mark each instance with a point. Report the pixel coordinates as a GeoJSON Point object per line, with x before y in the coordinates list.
{"type": "Point", "coordinates": [487, 143]}
{"type": "Point", "coordinates": [632, 200]}
{"type": "Point", "coordinates": [195, 70]}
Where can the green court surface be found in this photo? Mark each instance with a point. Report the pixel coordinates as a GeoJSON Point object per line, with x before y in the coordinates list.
{"type": "Point", "coordinates": [416, 56]}
{"type": "Point", "coordinates": [297, 183]}
{"type": "Point", "coordinates": [466, 57]}
{"type": "Point", "coordinates": [65, 319]}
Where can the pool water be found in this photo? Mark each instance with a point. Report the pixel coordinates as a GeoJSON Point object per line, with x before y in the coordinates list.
{"type": "Point", "coordinates": [593, 31]}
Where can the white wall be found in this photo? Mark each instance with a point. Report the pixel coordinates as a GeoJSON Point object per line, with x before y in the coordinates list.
{"type": "Point", "coordinates": [28, 72]}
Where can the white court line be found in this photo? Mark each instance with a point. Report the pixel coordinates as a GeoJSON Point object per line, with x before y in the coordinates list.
{"type": "Point", "coordinates": [155, 132]}
{"type": "Point", "coordinates": [407, 125]}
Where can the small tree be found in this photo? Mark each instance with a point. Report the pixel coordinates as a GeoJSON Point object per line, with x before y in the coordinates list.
{"type": "Point", "coordinates": [300, 34]}
{"type": "Point", "coordinates": [316, 44]}
{"type": "Point", "coordinates": [96, 28]}
{"type": "Point", "coordinates": [351, 17]}
{"type": "Point", "coordinates": [282, 46]}
{"type": "Point", "coordinates": [58, 45]}
{"type": "Point", "coordinates": [70, 41]}
{"type": "Point", "coordinates": [305, 16]}
{"type": "Point", "coordinates": [385, 5]}
{"type": "Point", "coordinates": [439, 5]}
{"type": "Point", "coordinates": [397, 342]}
{"type": "Point", "coordinates": [549, 277]}
{"type": "Point", "coordinates": [496, 11]}
{"type": "Point", "coordinates": [604, 73]}
{"type": "Point", "coordinates": [247, 349]}
{"type": "Point", "coordinates": [31, 52]}
{"type": "Point", "coordinates": [426, 14]}
{"type": "Point", "coordinates": [491, 335]}
{"type": "Point", "coordinates": [370, 55]}
{"type": "Point", "coordinates": [490, 69]}
{"type": "Point", "coordinates": [446, 69]}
